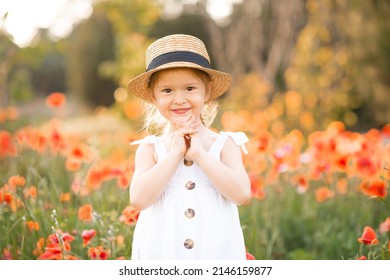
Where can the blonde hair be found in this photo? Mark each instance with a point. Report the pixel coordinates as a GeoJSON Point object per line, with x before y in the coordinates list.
{"type": "Point", "coordinates": [155, 123]}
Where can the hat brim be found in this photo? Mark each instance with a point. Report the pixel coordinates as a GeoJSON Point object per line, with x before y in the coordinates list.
{"type": "Point", "coordinates": [219, 81]}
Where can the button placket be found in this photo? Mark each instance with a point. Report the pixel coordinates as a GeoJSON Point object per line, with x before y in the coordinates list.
{"type": "Point", "coordinates": [189, 212]}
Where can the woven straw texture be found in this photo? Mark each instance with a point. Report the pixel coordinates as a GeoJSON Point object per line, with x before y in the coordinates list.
{"type": "Point", "coordinates": [220, 81]}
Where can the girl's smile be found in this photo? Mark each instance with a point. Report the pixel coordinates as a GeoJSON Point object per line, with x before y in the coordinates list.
{"type": "Point", "coordinates": [180, 111]}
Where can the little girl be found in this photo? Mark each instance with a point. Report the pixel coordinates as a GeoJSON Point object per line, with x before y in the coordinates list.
{"type": "Point", "coordinates": [188, 179]}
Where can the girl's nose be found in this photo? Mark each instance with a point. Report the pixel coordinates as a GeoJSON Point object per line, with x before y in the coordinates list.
{"type": "Point", "coordinates": [179, 98]}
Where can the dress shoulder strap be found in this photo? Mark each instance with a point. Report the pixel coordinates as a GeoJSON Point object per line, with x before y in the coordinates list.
{"type": "Point", "coordinates": [156, 141]}
{"type": "Point", "coordinates": [238, 137]}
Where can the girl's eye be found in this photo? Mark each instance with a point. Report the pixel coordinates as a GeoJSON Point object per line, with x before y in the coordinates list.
{"type": "Point", "coordinates": [167, 90]}
{"type": "Point", "coordinates": [190, 88]}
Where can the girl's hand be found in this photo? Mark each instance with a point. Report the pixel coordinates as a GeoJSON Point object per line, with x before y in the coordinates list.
{"type": "Point", "coordinates": [196, 148]}
{"type": "Point", "coordinates": [183, 131]}
{"type": "Point", "coordinates": [192, 140]}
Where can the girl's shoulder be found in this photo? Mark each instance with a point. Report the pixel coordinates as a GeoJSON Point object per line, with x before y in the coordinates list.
{"type": "Point", "coordinates": [148, 147]}
{"type": "Point", "coordinates": [228, 139]}
{"type": "Point", "coordinates": [149, 139]}
{"type": "Point", "coordinates": [238, 137]}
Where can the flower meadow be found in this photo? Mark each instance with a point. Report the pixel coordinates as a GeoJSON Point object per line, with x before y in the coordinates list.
{"type": "Point", "coordinates": [64, 188]}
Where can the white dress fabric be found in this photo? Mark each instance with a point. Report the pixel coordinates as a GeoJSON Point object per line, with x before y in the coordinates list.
{"type": "Point", "coordinates": [191, 219]}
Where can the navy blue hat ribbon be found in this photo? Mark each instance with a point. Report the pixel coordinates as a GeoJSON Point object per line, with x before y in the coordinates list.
{"type": "Point", "coordinates": [176, 57]}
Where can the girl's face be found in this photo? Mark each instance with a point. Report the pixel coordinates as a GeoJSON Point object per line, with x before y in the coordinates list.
{"type": "Point", "coordinates": [179, 94]}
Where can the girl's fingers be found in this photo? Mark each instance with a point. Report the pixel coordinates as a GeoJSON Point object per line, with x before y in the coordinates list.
{"type": "Point", "coordinates": [189, 124]}
{"type": "Point", "coordinates": [189, 131]}
{"type": "Point", "coordinates": [184, 132]}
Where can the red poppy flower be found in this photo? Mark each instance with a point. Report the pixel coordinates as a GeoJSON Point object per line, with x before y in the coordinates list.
{"type": "Point", "coordinates": [7, 146]}
{"type": "Point", "coordinates": [323, 194]}
{"type": "Point", "coordinates": [73, 164]}
{"type": "Point", "coordinates": [87, 236]}
{"type": "Point", "coordinates": [56, 140]}
{"type": "Point", "coordinates": [368, 237]}
{"type": "Point", "coordinates": [342, 163]}
{"type": "Point", "coordinates": [249, 256]}
{"type": "Point", "coordinates": [65, 197]}
{"type": "Point", "coordinates": [67, 237]}
{"type": "Point", "coordinates": [385, 226]}
{"type": "Point", "coordinates": [257, 190]}
{"type": "Point", "coordinates": [374, 188]}
{"type": "Point", "coordinates": [98, 253]}
{"type": "Point", "coordinates": [39, 248]}
{"type": "Point", "coordinates": [32, 225]}
{"type": "Point", "coordinates": [129, 215]}
{"type": "Point", "coordinates": [263, 142]}
{"type": "Point", "coordinates": [366, 166]}
{"type": "Point", "coordinates": [53, 250]}
{"type": "Point", "coordinates": [302, 183]}
{"type": "Point", "coordinates": [30, 192]}
{"type": "Point", "coordinates": [16, 180]}
{"type": "Point", "coordinates": [49, 255]}
{"type": "Point", "coordinates": [85, 213]}
{"type": "Point", "coordinates": [386, 130]}
{"type": "Point", "coordinates": [7, 255]}
{"type": "Point", "coordinates": [8, 198]}
{"type": "Point", "coordinates": [55, 100]}
{"type": "Point", "coordinates": [54, 241]}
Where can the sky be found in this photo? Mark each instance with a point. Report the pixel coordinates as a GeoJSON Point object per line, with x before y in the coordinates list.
{"type": "Point", "coordinates": [22, 18]}
{"type": "Point", "coordinates": [25, 17]}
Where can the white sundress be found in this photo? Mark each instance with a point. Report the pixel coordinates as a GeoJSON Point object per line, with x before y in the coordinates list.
{"type": "Point", "coordinates": [191, 219]}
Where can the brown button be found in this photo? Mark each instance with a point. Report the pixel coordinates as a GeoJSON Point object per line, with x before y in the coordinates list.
{"type": "Point", "coordinates": [188, 162]}
{"type": "Point", "coordinates": [189, 213]}
{"type": "Point", "coordinates": [189, 244]}
{"type": "Point", "coordinates": [190, 185]}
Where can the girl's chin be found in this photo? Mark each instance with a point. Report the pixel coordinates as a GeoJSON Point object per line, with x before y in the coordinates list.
{"type": "Point", "coordinates": [181, 118]}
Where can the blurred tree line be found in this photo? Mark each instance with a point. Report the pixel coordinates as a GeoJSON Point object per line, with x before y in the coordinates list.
{"type": "Point", "coordinates": [329, 59]}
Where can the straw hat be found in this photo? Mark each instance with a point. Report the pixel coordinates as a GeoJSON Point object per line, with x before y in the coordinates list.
{"type": "Point", "coordinates": [175, 51]}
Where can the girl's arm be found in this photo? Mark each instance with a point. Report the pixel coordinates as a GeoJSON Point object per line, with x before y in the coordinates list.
{"type": "Point", "coordinates": [150, 178]}
{"type": "Point", "coordinates": [228, 175]}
